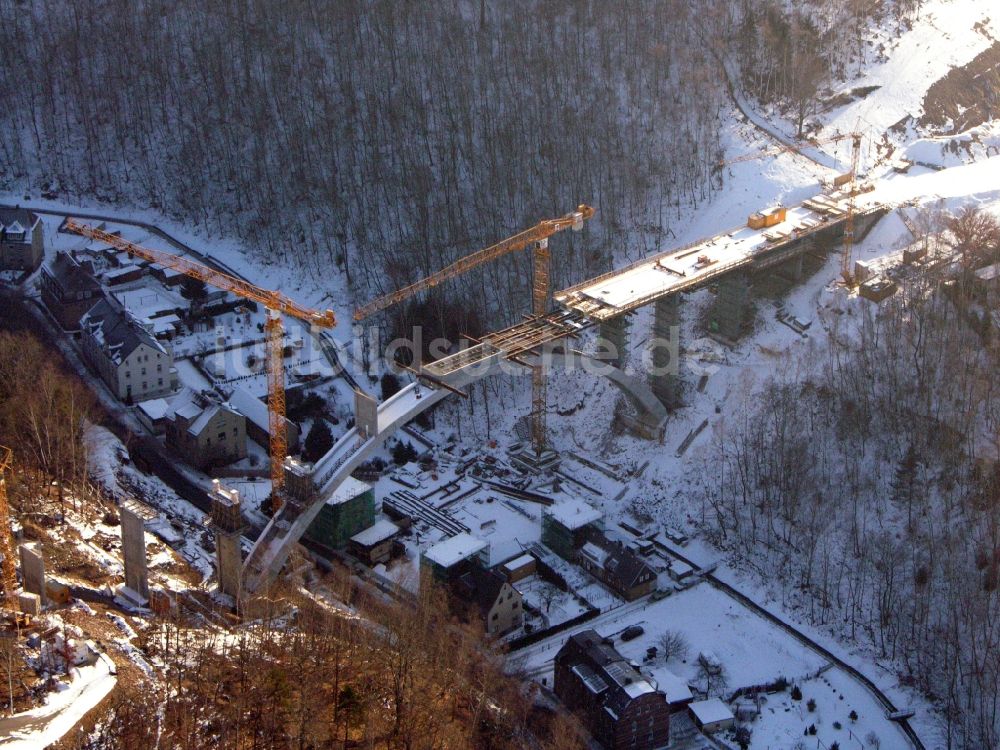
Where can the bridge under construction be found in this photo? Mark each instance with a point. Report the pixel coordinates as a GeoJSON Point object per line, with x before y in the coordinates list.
{"type": "Point", "coordinates": [772, 242]}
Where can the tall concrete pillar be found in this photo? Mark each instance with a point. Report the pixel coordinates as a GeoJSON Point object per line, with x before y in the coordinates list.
{"type": "Point", "coordinates": [133, 517]}
{"type": "Point", "coordinates": [614, 333]}
{"type": "Point", "coordinates": [33, 570]}
{"type": "Point", "coordinates": [664, 377]}
{"type": "Point", "coordinates": [792, 270]}
{"type": "Point", "coordinates": [229, 526]}
{"type": "Point", "coordinates": [732, 311]}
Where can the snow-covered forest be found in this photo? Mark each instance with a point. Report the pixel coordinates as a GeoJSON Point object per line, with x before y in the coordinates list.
{"type": "Point", "coordinates": [378, 139]}
{"type": "Point", "coordinates": [382, 140]}
{"type": "Point", "coordinates": [864, 482]}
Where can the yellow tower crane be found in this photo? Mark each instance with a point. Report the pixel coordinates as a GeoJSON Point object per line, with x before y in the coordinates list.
{"type": "Point", "coordinates": [538, 236]}
{"type": "Point", "coordinates": [276, 305]}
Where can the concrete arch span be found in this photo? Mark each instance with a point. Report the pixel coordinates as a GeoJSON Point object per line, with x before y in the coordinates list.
{"type": "Point", "coordinates": [271, 550]}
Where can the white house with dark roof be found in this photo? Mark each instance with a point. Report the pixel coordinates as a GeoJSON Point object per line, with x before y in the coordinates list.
{"type": "Point", "coordinates": [128, 358]}
{"type": "Point", "coordinates": [22, 243]}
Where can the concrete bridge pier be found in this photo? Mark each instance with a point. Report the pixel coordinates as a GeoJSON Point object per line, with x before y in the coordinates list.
{"type": "Point", "coordinates": [664, 377]}
{"type": "Point", "coordinates": [614, 335]}
{"type": "Point", "coordinates": [792, 269]}
{"type": "Point", "coordinates": [733, 310]}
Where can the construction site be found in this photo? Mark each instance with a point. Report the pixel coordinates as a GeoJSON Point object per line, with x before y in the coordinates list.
{"type": "Point", "coordinates": [243, 471]}
{"type": "Point", "coordinates": [558, 527]}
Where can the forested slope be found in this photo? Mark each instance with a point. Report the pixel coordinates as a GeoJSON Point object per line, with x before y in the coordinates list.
{"type": "Point", "coordinates": [381, 138]}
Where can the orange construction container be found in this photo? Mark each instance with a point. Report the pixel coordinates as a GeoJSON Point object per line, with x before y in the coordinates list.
{"type": "Point", "coordinates": [767, 218]}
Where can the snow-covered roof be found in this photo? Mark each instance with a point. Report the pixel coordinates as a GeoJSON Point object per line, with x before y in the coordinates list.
{"type": "Point", "coordinates": [679, 569]}
{"type": "Point", "coordinates": [147, 303]}
{"type": "Point", "coordinates": [349, 489]}
{"type": "Point", "coordinates": [376, 533]}
{"type": "Point", "coordinates": [574, 514]}
{"type": "Point", "coordinates": [595, 553]}
{"type": "Point", "coordinates": [203, 419]}
{"type": "Point", "coordinates": [250, 407]}
{"type": "Point", "coordinates": [460, 547]}
{"type": "Point", "coordinates": [154, 408]}
{"type": "Point", "coordinates": [673, 687]}
{"type": "Point", "coordinates": [711, 711]}
{"type": "Point", "coordinates": [518, 562]}
{"type": "Point", "coordinates": [115, 331]}
{"type": "Point", "coordinates": [14, 220]}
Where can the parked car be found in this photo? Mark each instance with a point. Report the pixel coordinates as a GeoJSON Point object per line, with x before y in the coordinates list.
{"type": "Point", "coordinates": [632, 632]}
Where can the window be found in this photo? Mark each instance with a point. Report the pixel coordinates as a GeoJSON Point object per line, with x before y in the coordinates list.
{"type": "Point", "coordinates": [495, 616]}
{"type": "Point", "coordinates": [159, 368]}
{"type": "Point", "coordinates": [159, 381]}
{"type": "Point", "coordinates": [128, 373]}
{"type": "Point", "coordinates": [143, 370]}
{"type": "Point", "coordinates": [222, 436]}
{"type": "Point", "coordinates": [144, 386]}
{"type": "Point", "coordinates": [515, 605]}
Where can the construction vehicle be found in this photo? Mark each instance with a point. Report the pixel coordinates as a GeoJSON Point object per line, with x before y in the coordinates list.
{"type": "Point", "coordinates": [276, 305]}
{"type": "Point", "coordinates": [850, 179]}
{"type": "Point", "coordinates": [538, 236]}
{"type": "Point", "coordinates": [8, 568]}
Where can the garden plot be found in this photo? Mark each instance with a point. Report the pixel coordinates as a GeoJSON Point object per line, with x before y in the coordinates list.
{"type": "Point", "coordinates": [556, 606]}
{"type": "Point", "coordinates": [842, 712]}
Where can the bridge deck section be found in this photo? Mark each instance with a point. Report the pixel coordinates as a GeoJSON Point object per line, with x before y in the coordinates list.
{"type": "Point", "coordinates": [626, 289]}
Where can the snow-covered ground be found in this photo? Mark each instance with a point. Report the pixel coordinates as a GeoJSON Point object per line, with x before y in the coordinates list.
{"type": "Point", "coordinates": [46, 724]}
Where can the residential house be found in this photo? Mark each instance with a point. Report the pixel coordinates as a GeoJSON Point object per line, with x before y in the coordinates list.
{"type": "Point", "coordinates": [350, 509]}
{"type": "Point", "coordinates": [498, 604]}
{"type": "Point", "coordinates": [22, 242]}
{"type": "Point", "coordinates": [618, 567]}
{"type": "Point", "coordinates": [711, 715]}
{"type": "Point", "coordinates": [204, 431]}
{"type": "Point", "coordinates": [452, 557]}
{"type": "Point", "coordinates": [567, 525]}
{"type": "Point", "coordinates": [618, 705]}
{"type": "Point", "coordinates": [374, 544]}
{"type": "Point", "coordinates": [258, 421]}
{"type": "Point", "coordinates": [69, 290]}
{"type": "Point", "coordinates": [135, 366]}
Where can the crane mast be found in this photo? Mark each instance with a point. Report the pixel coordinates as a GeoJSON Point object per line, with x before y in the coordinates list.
{"type": "Point", "coordinates": [274, 302]}
{"type": "Point", "coordinates": [538, 238]}
{"type": "Point", "coordinates": [848, 244]}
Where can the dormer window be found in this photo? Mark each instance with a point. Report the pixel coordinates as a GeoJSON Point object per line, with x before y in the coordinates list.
{"type": "Point", "coordinates": [15, 232]}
